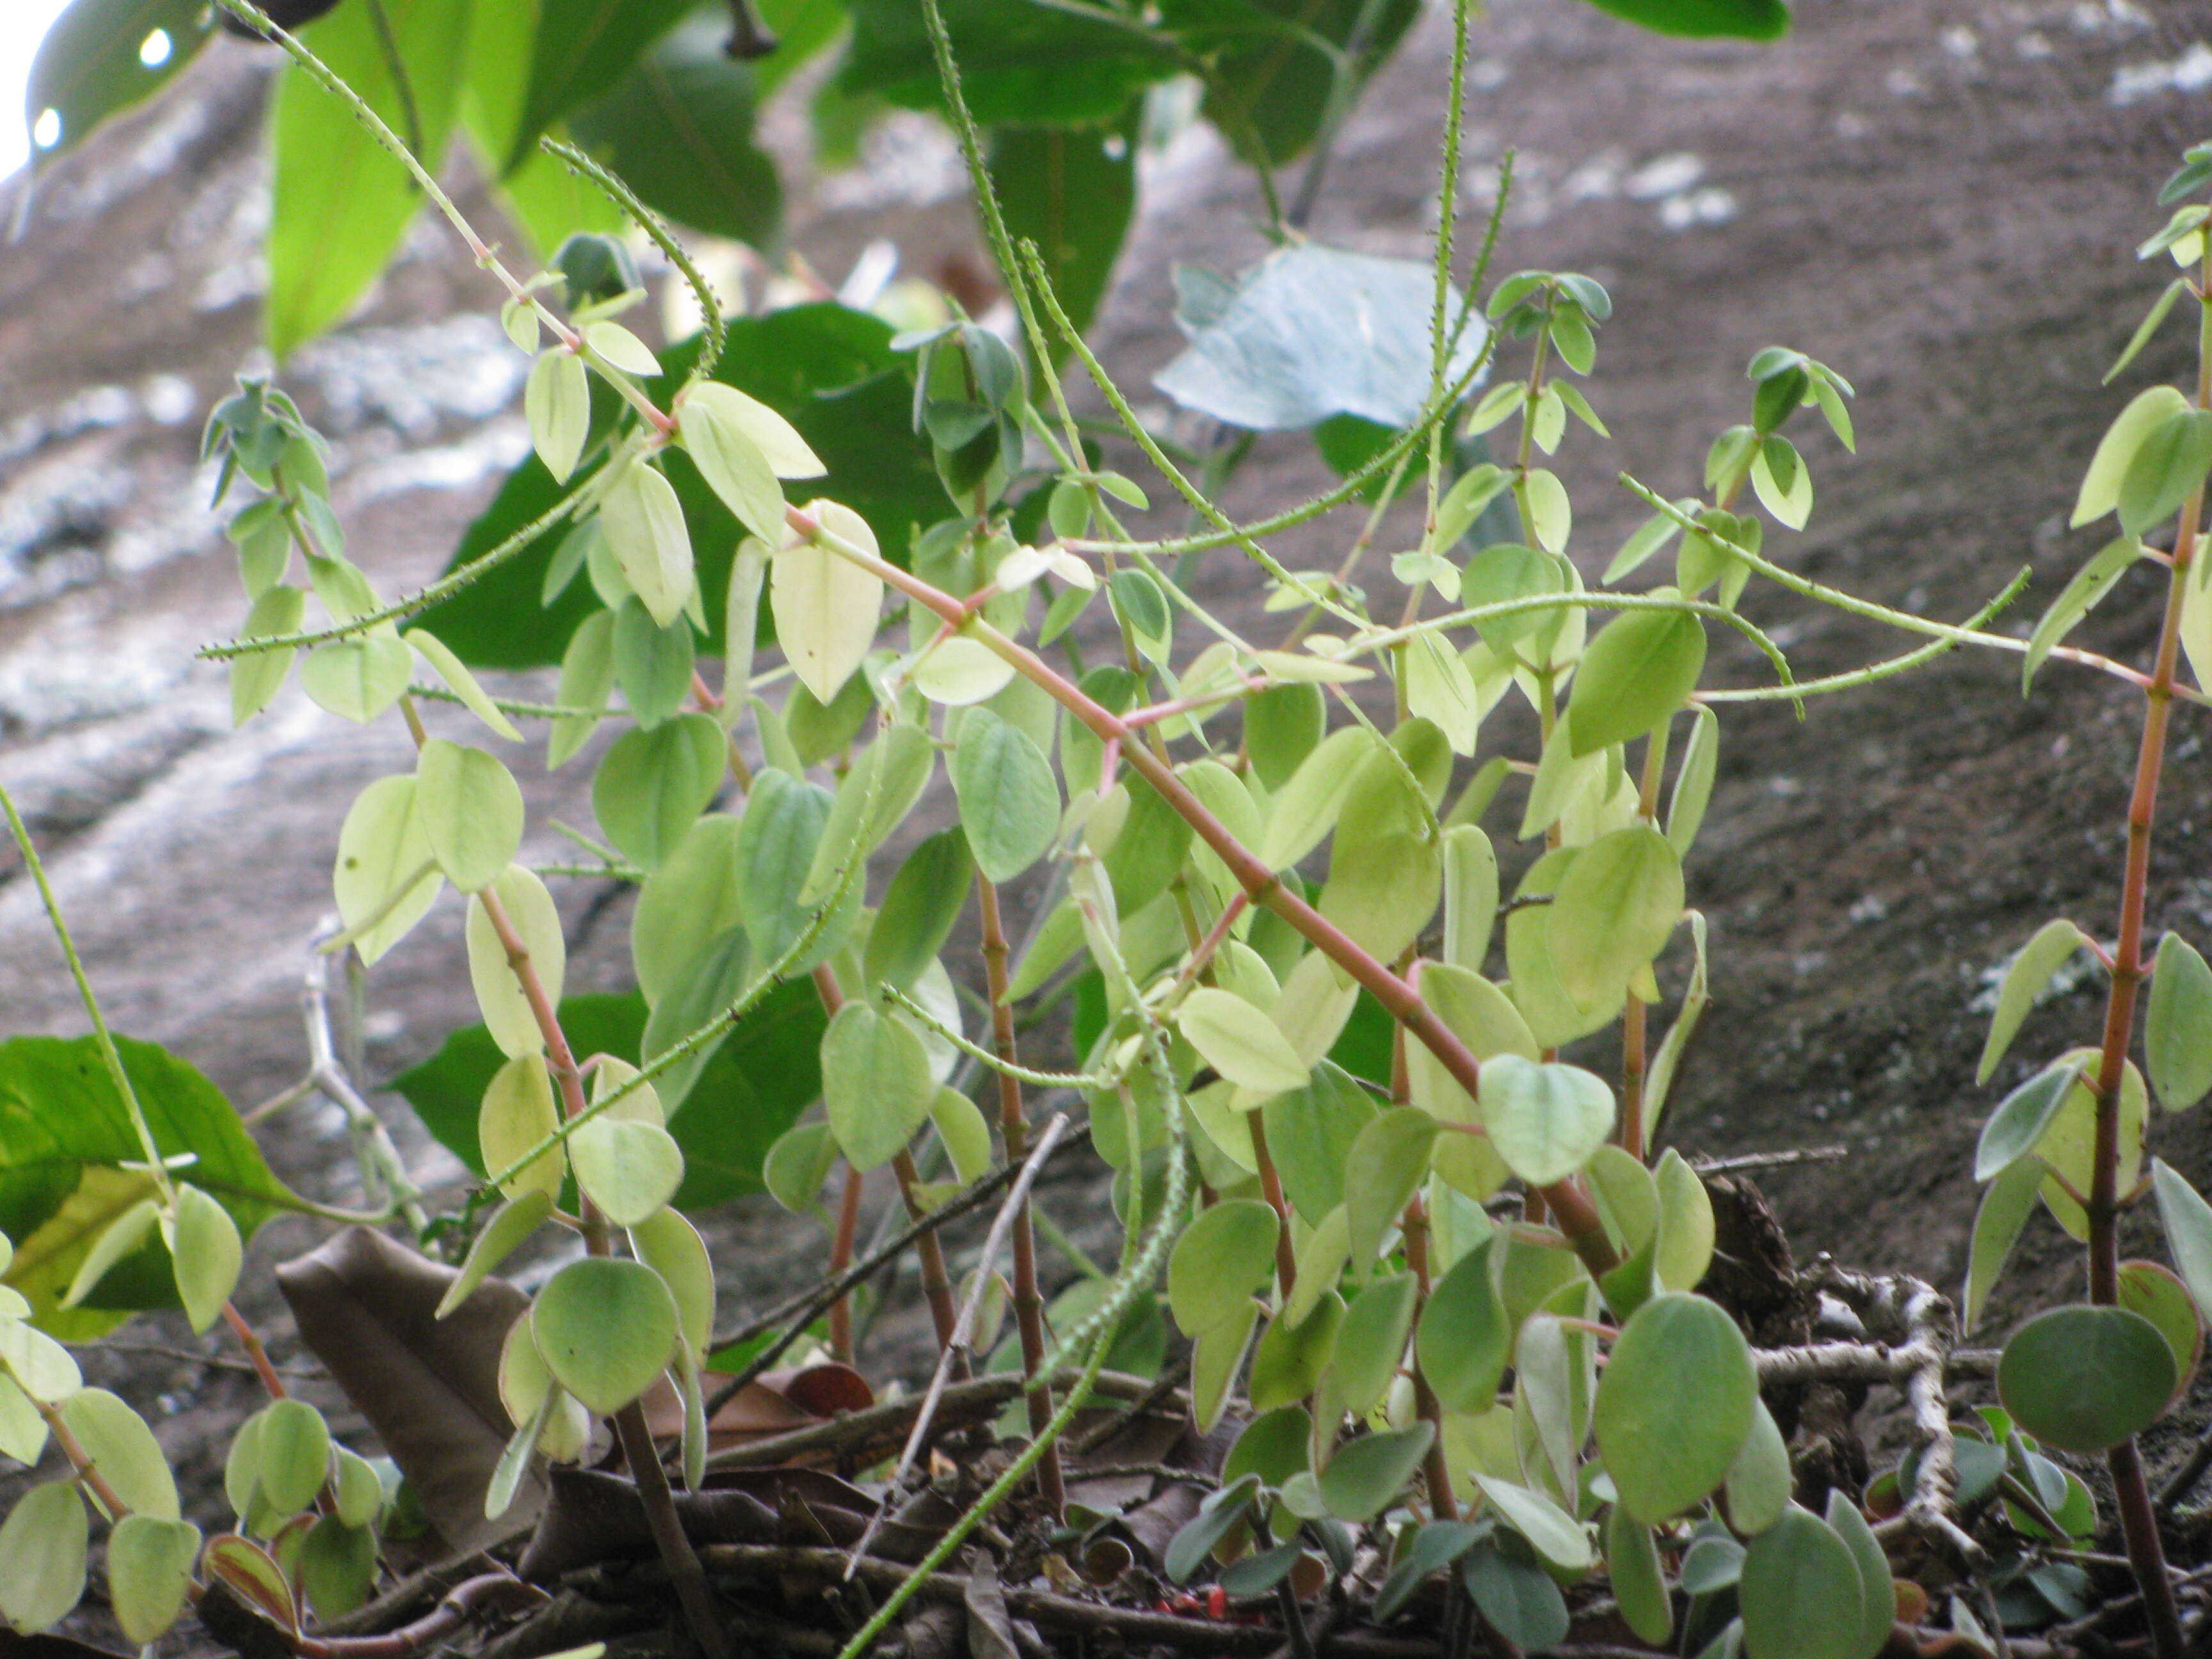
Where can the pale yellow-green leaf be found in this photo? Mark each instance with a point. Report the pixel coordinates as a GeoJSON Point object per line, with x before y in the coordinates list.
{"type": "Point", "coordinates": [967, 1136]}
{"type": "Point", "coordinates": [876, 1083]}
{"type": "Point", "coordinates": [41, 1367]}
{"type": "Point", "coordinates": [959, 670]}
{"type": "Point", "coordinates": [149, 1571]}
{"type": "Point", "coordinates": [2025, 979]}
{"type": "Point", "coordinates": [386, 874]}
{"type": "Point", "coordinates": [2100, 484]}
{"type": "Point", "coordinates": [207, 1251]}
{"type": "Point", "coordinates": [1321, 1260]}
{"type": "Point", "coordinates": [825, 607]}
{"type": "Point", "coordinates": [124, 1450]}
{"type": "Point", "coordinates": [1470, 896]}
{"type": "Point", "coordinates": [1545, 1120]}
{"type": "Point", "coordinates": [1313, 1008]}
{"type": "Point", "coordinates": [641, 1103]}
{"type": "Point", "coordinates": [1240, 1042]}
{"type": "Point", "coordinates": [510, 1224]}
{"type": "Point", "coordinates": [256, 678]}
{"type": "Point", "coordinates": [500, 994]}
{"type": "Point", "coordinates": [22, 1430]}
{"type": "Point", "coordinates": [471, 809]}
{"type": "Point", "coordinates": [629, 1169]}
{"type": "Point", "coordinates": [556, 405]}
{"type": "Point", "coordinates": [587, 675]}
{"type": "Point", "coordinates": [621, 347]}
{"type": "Point", "coordinates": [1614, 911]}
{"type": "Point", "coordinates": [732, 464]}
{"type": "Point", "coordinates": [460, 681]}
{"type": "Point", "coordinates": [519, 1111]}
{"type": "Point", "coordinates": [42, 1555]}
{"type": "Point", "coordinates": [1438, 688]}
{"type": "Point", "coordinates": [1685, 1225]}
{"type": "Point", "coordinates": [1550, 515]}
{"type": "Point", "coordinates": [671, 1246]}
{"type": "Point", "coordinates": [643, 523]}
{"type": "Point", "coordinates": [775, 437]}
{"type": "Point", "coordinates": [357, 680]}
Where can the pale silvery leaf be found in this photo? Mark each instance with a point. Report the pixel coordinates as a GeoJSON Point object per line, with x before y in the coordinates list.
{"type": "Point", "coordinates": [775, 437]}
{"type": "Point", "coordinates": [557, 402]}
{"type": "Point", "coordinates": [644, 526]}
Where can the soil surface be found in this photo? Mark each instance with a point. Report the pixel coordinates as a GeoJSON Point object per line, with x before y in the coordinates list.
{"type": "Point", "coordinates": [1939, 198]}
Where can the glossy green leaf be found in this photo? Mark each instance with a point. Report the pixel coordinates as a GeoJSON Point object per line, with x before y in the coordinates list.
{"type": "Point", "coordinates": [1226, 1254]}
{"type": "Point", "coordinates": [876, 1083]}
{"type": "Point", "coordinates": [1800, 1592]}
{"type": "Point", "coordinates": [339, 205]}
{"type": "Point", "coordinates": [1009, 801]}
{"type": "Point", "coordinates": [1070, 191]}
{"type": "Point", "coordinates": [580, 50]}
{"type": "Point", "coordinates": [606, 1328]}
{"type": "Point", "coordinates": [2086, 1378]}
{"type": "Point", "coordinates": [1635, 673]}
{"type": "Point", "coordinates": [42, 1557]}
{"type": "Point", "coordinates": [2178, 1026]}
{"type": "Point", "coordinates": [653, 785]}
{"type": "Point", "coordinates": [1673, 1405]}
{"type": "Point", "coordinates": [1366, 1475]}
{"type": "Point", "coordinates": [149, 1572]}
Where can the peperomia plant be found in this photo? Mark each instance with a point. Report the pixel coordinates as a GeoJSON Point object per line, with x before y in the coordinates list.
{"type": "Point", "coordinates": [1440, 1279]}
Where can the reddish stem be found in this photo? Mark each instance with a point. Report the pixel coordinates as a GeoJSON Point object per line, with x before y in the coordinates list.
{"type": "Point", "coordinates": [1442, 1503]}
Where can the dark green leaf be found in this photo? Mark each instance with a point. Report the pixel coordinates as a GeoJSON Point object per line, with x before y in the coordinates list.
{"type": "Point", "coordinates": [753, 1088]}
{"type": "Point", "coordinates": [1367, 1473]}
{"type": "Point", "coordinates": [582, 48]}
{"type": "Point", "coordinates": [2167, 466]}
{"type": "Point", "coordinates": [1070, 190]}
{"type": "Point", "coordinates": [1748, 20]}
{"type": "Point", "coordinates": [64, 1134]}
{"type": "Point", "coordinates": [653, 663]}
{"type": "Point", "coordinates": [678, 130]}
{"type": "Point", "coordinates": [92, 63]}
{"type": "Point", "coordinates": [1017, 60]}
{"type": "Point", "coordinates": [1800, 1592]}
{"type": "Point", "coordinates": [1518, 1597]}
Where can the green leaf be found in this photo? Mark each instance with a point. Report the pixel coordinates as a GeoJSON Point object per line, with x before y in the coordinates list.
{"type": "Point", "coordinates": [687, 904]}
{"type": "Point", "coordinates": [1219, 1513]}
{"type": "Point", "coordinates": [1275, 1445]}
{"type": "Point", "coordinates": [1367, 1473]}
{"type": "Point", "coordinates": [1310, 1131]}
{"type": "Point", "coordinates": [471, 809]}
{"type": "Point", "coordinates": [1225, 1253]}
{"type": "Point", "coordinates": [581, 48]}
{"type": "Point", "coordinates": [385, 867]}
{"type": "Point", "coordinates": [93, 61]}
{"type": "Point", "coordinates": [2085, 1379]}
{"type": "Point", "coordinates": [1070, 191]}
{"type": "Point", "coordinates": [64, 1134]}
{"type": "Point", "coordinates": [2187, 1220]}
{"type": "Point", "coordinates": [1639, 1585]}
{"type": "Point", "coordinates": [149, 1572]}
{"type": "Point", "coordinates": [2023, 1117]}
{"type": "Point", "coordinates": [1516, 1596]}
{"type": "Point", "coordinates": [2076, 600]}
{"type": "Point", "coordinates": [1371, 1343]}
{"type": "Point", "coordinates": [733, 464]}
{"type": "Point", "coordinates": [510, 1224]}
{"type": "Point", "coordinates": [923, 902]}
{"type": "Point", "coordinates": [1758, 1482]}
{"type": "Point", "coordinates": [1544, 1119]}
{"type": "Point", "coordinates": [1801, 1592]}
{"type": "Point", "coordinates": [642, 519]}
{"type": "Point", "coordinates": [652, 785]}
{"type": "Point", "coordinates": [587, 676]}
{"type": "Point", "coordinates": [1306, 808]}
{"type": "Point", "coordinates": [653, 663]}
{"type": "Point", "coordinates": [2177, 1028]}
{"type": "Point", "coordinates": [876, 1083]}
{"type": "Point", "coordinates": [607, 1328]}
{"type": "Point", "coordinates": [1009, 801]}
{"type": "Point", "coordinates": [42, 1555]}
{"type": "Point", "coordinates": [124, 1450]}
{"type": "Point", "coordinates": [2167, 466]}
{"type": "Point", "coordinates": [1464, 1341]}
{"type": "Point", "coordinates": [2157, 314]}
{"type": "Point", "coordinates": [1634, 674]}
{"type": "Point", "coordinates": [1282, 724]}
{"type": "Point", "coordinates": [1550, 1531]}
{"type": "Point", "coordinates": [680, 130]}
{"type": "Point", "coordinates": [357, 680]}
{"type": "Point", "coordinates": [1615, 911]}
{"type": "Point", "coordinates": [293, 1455]}
{"type": "Point", "coordinates": [1387, 1163]}
{"type": "Point", "coordinates": [556, 405]}
{"type": "Point", "coordinates": [1216, 1357]}
{"type": "Point", "coordinates": [1279, 358]}
{"type": "Point", "coordinates": [825, 606]}
{"type": "Point", "coordinates": [1016, 60]}
{"type": "Point", "coordinates": [1239, 1041]}
{"type": "Point", "coordinates": [2025, 978]}
{"type": "Point", "coordinates": [535, 922]}
{"type": "Point", "coordinates": [1673, 1405]}
{"type": "Point", "coordinates": [782, 831]}
{"type": "Point", "coordinates": [1293, 1357]}
{"type": "Point", "coordinates": [336, 1568]}
{"type": "Point", "coordinates": [628, 1169]}
{"type": "Point", "coordinates": [255, 680]}
{"type": "Point", "coordinates": [2116, 451]}
{"type": "Point", "coordinates": [339, 204]}
{"type": "Point", "coordinates": [2158, 1294]}
{"type": "Point", "coordinates": [2004, 1211]}
{"type": "Point", "coordinates": [1551, 513]}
